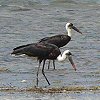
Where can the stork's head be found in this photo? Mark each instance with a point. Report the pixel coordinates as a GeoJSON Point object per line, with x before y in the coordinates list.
{"type": "Point", "coordinates": [69, 56]}
{"type": "Point", "coordinates": [69, 27]}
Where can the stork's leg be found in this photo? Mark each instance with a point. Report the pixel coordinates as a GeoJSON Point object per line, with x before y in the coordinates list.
{"type": "Point", "coordinates": [49, 64]}
{"type": "Point", "coordinates": [54, 64]}
{"type": "Point", "coordinates": [43, 72]}
{"type": "Point", "coordinates": [38, 72]}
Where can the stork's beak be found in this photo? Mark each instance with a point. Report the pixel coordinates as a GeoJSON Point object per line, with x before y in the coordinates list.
{"type": "Point", "coordinates": [73, 27]}
{"type": "Point", "coordinates": [72, 62]}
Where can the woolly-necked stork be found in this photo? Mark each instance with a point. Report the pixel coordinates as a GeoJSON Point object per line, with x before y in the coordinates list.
{"type": "Point", "coordinates": [43, 51]}
{"type": "Point", "coordinates": [61, 40]}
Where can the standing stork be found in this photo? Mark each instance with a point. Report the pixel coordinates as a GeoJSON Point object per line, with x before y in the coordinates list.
{"type": "Point", "coordinates": [60, 40]}
{"type": "Point", "coordinates": [43, 51]}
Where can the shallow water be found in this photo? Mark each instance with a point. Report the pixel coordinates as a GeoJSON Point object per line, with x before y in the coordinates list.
{"type": "Point", "coordinates": [27, 21]}
{"type": "Point", "coordinates": [57, 96]}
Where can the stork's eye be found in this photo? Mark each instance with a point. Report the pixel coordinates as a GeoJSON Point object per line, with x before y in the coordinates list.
{"type": "Point", "coordinates": [70, 25]}
{"type": "Point", "coordinates": [69, 53]}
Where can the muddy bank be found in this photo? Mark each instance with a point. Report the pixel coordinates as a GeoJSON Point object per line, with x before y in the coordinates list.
{"type": "Point", "coordinates": [52, 90]}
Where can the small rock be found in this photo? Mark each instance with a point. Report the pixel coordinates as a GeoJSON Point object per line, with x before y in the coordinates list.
{"type": "Point", "coordinates": [24, 81]}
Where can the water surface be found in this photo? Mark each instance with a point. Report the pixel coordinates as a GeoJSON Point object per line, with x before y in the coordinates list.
{"type": "Point", "coordinates": [27, 21]}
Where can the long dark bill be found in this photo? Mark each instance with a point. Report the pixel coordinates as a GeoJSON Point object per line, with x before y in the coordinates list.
{"type": "Point", "coordinates": [73, 27]}
{"type": "Point", "coordinates": [72, 62]}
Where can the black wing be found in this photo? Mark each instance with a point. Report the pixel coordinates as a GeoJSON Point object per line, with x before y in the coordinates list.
{"type": "Point", "coordinates": [41, 50]}
{"type": "Point", "coordinates": [22, 46]}
{"type": "Point", "coordinates": [58, 40]}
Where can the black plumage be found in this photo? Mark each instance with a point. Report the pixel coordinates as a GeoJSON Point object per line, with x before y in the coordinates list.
{"type": "Point", "coordinates": [47, 48]}
{"type": "Point", "coordinates": [60, 40]}
{"type": "Point", "coordinates": [42, 51]}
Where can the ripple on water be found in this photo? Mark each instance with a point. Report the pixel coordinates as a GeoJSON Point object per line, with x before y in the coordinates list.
{"type": "Point", "coordinates": [27, 21]}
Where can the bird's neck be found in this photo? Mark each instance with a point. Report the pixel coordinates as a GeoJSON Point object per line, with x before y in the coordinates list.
{"type": "Point", "coordinates": [61, 57]}
{"type": "Point", "coordinates": [69, 32]}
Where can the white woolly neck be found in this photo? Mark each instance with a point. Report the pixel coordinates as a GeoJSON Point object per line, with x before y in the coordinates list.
{"type": "Point", "coordinates": [68, 30]}
{"type": "Point", "coordinates": [63, 56]}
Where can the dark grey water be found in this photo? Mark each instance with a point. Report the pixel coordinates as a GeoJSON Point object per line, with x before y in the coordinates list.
{"type": "Point", "coordinates": [27, 21]}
